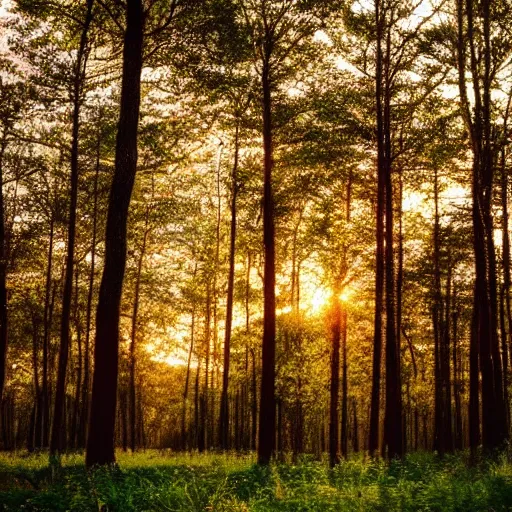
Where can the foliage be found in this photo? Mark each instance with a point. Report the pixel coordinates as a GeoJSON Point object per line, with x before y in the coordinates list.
{"type": "Point", "coordinates": [156, 481]}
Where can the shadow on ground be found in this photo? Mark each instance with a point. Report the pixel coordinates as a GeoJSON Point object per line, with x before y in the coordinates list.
{"type": "Point", "coordinates": [153, 482]}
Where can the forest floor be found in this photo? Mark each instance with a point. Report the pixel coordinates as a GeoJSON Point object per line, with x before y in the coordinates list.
{"type": "Point", "coordinates": [155, 481]}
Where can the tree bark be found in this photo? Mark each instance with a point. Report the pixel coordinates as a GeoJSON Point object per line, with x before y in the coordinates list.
{"type": "Point", "coordinates": [379, 265]}
{"type": "Point", "coordinates": [224, 408]}
{"type": "Point", "coordinates": [334, 457]}
{"type": "Point", "coordinates": [187, 378]}
{"type": "Point", "coordinates": [3, 279]}
{"type": "Point", "coordinates": [57, 442]}
{"type": "Point", "coordinates": [100, 446]}
{"type": "Point", "coordinates": [75, 417]}
{"type": "Point", "coordinates": [458, 433]}
{"type": "Point", "coordinates": [505, 301]}
{"type": "Point", "coordinates": [133, 345]}
{"type": "Point", "coordinates": [267, 423]}
{"type": "Point", "coordinates": [344, 384]}
{"type": "Point", "coordinates": [88, 315]}
{"type": "Point", "coordinates": [393, 425]}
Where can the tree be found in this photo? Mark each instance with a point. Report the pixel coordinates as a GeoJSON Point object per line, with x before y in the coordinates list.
{"type": "Point", "coordinates": [11, 105]}
{"type": "Point", "coordinates": [100, 443]}
{"type": "Point", "coordinates": [277, 31]}
{"type": "Point", "coordinates": [79, 73]}
{"type": "Point", "coordinates": [480, 28]}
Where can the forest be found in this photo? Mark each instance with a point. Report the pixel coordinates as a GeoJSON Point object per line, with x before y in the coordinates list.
{"type": "Point", "coordinates": [255, 255]}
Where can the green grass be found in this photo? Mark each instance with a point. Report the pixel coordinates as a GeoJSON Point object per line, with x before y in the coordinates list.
{"type": "Point", "coordinates": [155, 481]}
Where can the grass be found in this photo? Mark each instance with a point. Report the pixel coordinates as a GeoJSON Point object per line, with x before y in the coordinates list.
{"type": "Point", "coordinates": [155, 481]}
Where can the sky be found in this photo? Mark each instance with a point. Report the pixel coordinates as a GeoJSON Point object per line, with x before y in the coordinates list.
{"type": "Point", "coordinates": [4, 5]}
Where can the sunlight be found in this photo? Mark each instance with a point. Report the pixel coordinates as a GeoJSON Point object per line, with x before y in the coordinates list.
{"type": "Point", "coordinates": [173, 360]}
{"type": "Point", "coordinates": [320, 36]}
{"type": "Point", "coordinates": [345, 294]}
{"type": "Point", "coordinates": [150, 348]}
{"type": "Point", "coordinates": [319, 300]}
{"type": "Point", "coordinates": [412, 201]}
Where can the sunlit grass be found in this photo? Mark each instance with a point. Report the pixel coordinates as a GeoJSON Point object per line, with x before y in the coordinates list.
{"type": "Point", "coordinates": [161, 481]}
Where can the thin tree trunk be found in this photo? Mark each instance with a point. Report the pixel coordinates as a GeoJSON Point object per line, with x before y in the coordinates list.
{"type": "Point", "coordinates": [334, 457]}
{"type": "Point", "coordinates": [458, 437]}
{"type": "Point", "coordinates": [3, 279]}
{"type": "Point", "coordinates": [505, 302]}
{"type": "Point", "coordinates": [75, 427]}
{"type": "Point", "coordinates": [379, 269]}
{"type": "Point", "coordinates": [224, 408]}
{"type": "Point", "coordinates": [445, 367]}
{"type": "Point", "coordinates": [254, 404]}
{"type": "Point", "coordinates": [57, 442]}
{"type": "Point", "coordinates": [45, 398]}
{"type": "Point", "coordinates": [215, 300]}
{"type": "Point", "coordinates": [88, 315]}
{"type": "Point", "coordinates": [133, 345]}
{"type": "Point", "coordinates": [35, 434]}
{"type": "Point", "coordinates": [344, 385]}
{"type": "Point", "coordinates": [439, 426]}
{"type": "Point", "coordinates": [197, 400]}
{"type": "Point", "coordinates": [187, 378]}
{"type": "Point", "coordinates": [203, 437]}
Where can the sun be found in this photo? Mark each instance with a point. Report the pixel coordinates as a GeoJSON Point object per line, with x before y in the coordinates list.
{"type": "Point", "coordinates": [345, 294]}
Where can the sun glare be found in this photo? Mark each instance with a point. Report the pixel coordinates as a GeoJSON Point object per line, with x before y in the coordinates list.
{"type": "Point", "coordinates": [345, 295]}
{"type": "Point", "coordinates": [320, 299]}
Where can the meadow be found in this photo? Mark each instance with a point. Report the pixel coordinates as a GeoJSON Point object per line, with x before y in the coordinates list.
{"type": "Point", "coordinates": [158, 481]}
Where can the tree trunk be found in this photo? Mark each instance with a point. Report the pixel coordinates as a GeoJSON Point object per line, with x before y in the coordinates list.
{"type": "Point", "coordinates": [379, 268]}
{"type": "Point", "coordinates": [203, 432]}
{"type": "Point", "coordinates": [100, 446]}
{"type": "Point", "coordinates": [57, 442]}
{"type": "Point", "coordinates": [133, 345]}
{"type": "Point", "coordinates": [88, 315]}
{"type": "Point", "coordinates": [224, 408]}
{"type": "Point", "coordinates": [267, 422]}
{"type": "Point", "coordinates": [439, 421]}
{"type": "Point", "coordinates": [344, 385]}
{"type": "Point", "coordinates": [254, 403]}
{"type": "Point", "coordinates": [3, 279]}
{"type": "Point", "coordinates": [445, 367]}
{"type": "Point", "coordinates": [474, 405]}
{"type": "Point", "coordinates": [334, 458]}
{"type": "Point", "coordinates": [497, 430]}
{"type": "Point", "coordinates": [400, 279]}
{"type": "Point", "coordinates": [505, 301]}
{"type": "Point", "coordinates": [35, 432]}
{"type": "Point", "coordinates": [45, 397]}
{"type": "Point", "coordinates": [393, 435]}
{"type": "Point", "coordinates": [197, 400]}
{"type": "Point", "coordinates": [458, 434]}
{"type": "Point", "coordinates": [187, 378]}
{"type": "Point", "coordinates": [75, 427]}
{"type": "Point", "coordinates": [485, 318]}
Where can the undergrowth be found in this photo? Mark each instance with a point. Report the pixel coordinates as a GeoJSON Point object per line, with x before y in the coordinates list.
{"type": "Point", "coordinates": [158, 481]}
